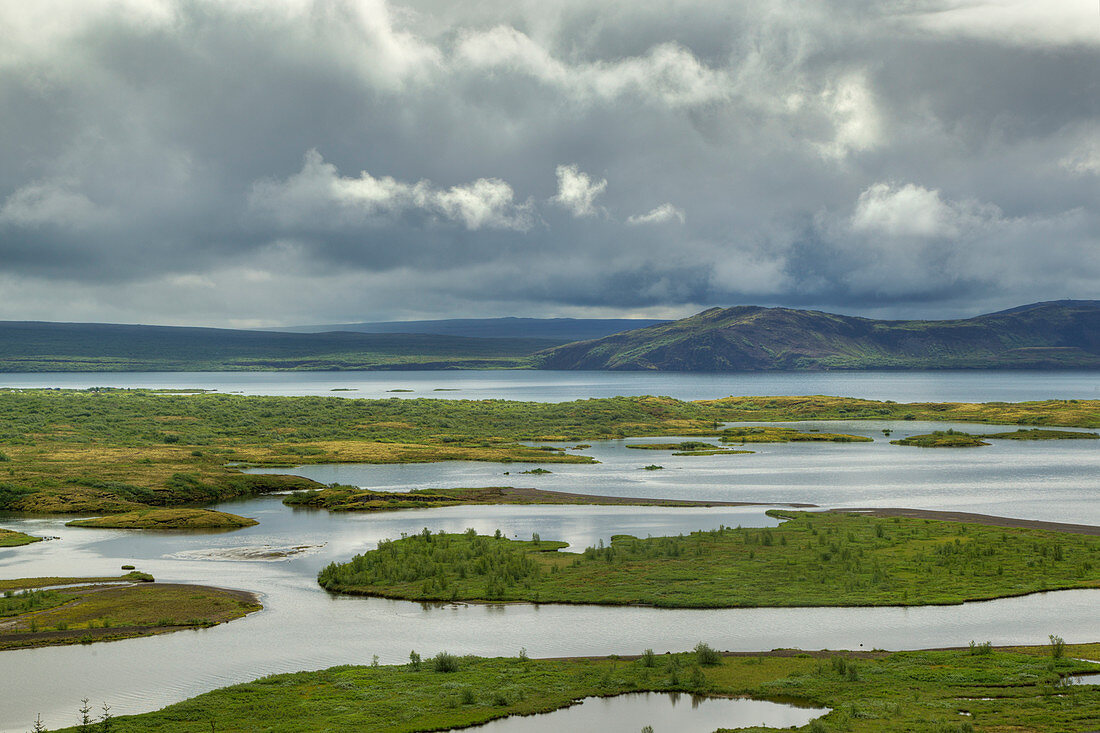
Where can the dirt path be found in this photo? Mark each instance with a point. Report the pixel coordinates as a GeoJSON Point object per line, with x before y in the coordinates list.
{"type": "Point", "coordinates": [986, 519]}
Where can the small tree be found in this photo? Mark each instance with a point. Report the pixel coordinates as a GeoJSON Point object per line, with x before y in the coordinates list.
{"type": "Point", "coordinates": [706, 656]}
{"type": "Point", "coordinates": [1057, 646]}
{"type": "Point", "coordinates": [648, 658]}
{"type": "Point", "coordinates": [85, 716]}
{"type": "Point", "coordinates": [445, 662]}
{"type": "Point", "coordinates": [414, 661]}
{"type": "Point", "coordinates": [39, 727]}
{"type": "Point", "coordinates": [106, 720]}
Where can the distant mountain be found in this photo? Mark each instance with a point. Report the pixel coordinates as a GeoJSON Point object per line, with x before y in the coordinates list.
{"type": "Point", "coordinates": [27, 346]}
{"type": "Point", "coordinates": [562, 330]}
{"type": "Point", "coordinates": [1053, 335]}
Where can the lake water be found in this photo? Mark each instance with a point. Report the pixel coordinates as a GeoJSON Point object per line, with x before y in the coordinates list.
{"type": "Point", "coordinates": [303, 627]}
{"type": "Point", "coordinates": [663, 712]}
{"type": "Point", "coordinates": [560, 386]}
{"type": "Point", "coordinates": [1054, 480]}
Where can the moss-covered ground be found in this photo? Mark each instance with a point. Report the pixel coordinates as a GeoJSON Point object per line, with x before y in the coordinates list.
{"type": "Point", "coordinates": [947, 691]}
{"type": "Point", "coordinates": [942, 439]}
{"type": "Point", "coordinates": [89, 612]}
{"type": "Point", "coordinates": [814, 559]}
{"type": "Point", "coordinates": [11, 538]}
{"type": "Point", "coordinates": [353, 499]}
{"type": "Point", "coordinates": [114, 451]}
{"type": "Point", "coordinates": [174, 518]}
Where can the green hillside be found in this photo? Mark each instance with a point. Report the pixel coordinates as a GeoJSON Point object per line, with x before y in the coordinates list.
{"type": "Point", "coordinates": [1055, 335]}
{"type": "Point", "coordinates": [73, 347]}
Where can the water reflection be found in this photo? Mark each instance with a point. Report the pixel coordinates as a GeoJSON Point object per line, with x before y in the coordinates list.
{"type": "Point", "coordinates": [663, 712]}
{"type": "Point", "coordinates": [1052, 480]}
{"type": "Point", "coordinates": [559, 386]}
{"type": "Point", "coordinates": [303, 628]}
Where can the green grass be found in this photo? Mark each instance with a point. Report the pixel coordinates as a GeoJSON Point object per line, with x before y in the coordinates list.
{"type": "Point", "coordinates": [689, 448]}
{"type": "Point", "coordinates": [16, 603]}
{"type": "Point", "coordinates": [1071, 413]}
{"type": "Point", "coordinates": [106, 613]}
{"type": "Point", "coordinates": [167, 519]}
{"type": "Point", "coordinates": [786, 435]}
{"type": "Point", "coordinates": [868, 693]}
{"type": "Point", "coordinates": [45, 582]}
{"type": "Point", "coordinates": [353, 499]}
{"type": "Point", "coordinates": [1036, 434]}
{"type": "Point", "coordinates": [686, 445]}
{"type": "Point", "coordinates": [814, 559]}
{"type": "Point", "coordinates": [113, 451]}
{"type": "Point", "coordinates": [942, 439]}
{"type": "Point", "coordinates": [11, 538]}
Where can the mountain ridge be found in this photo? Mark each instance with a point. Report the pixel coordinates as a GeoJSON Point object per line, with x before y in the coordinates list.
{"type": "Point", "coordinates": [1045, 335]}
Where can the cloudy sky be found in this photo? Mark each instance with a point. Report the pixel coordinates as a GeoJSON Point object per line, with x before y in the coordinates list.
{"type": "Point", "coordinates": [263, 162]}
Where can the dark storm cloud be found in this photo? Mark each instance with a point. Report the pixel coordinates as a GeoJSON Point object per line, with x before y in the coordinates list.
{"type": "Point", "coordinates": [174, 161]}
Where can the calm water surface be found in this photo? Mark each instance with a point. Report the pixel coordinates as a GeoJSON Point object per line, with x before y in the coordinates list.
{"type": "Point", "coordinates": [302, 627]}
{"type": "Point", "coordinates": [663, 712]}
{"type": "Point", "coordinates": [560, 386]}
{"type": "Point", "coordinates": [1054, 480]}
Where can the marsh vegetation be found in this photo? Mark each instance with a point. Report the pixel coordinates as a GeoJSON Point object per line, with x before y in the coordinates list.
{"type": "Point", "coordinates": [812, 559]}
{"type": "Point", "coordinates": [87, 610]}
{"type": "Point", "coordinates": [114, 451]}
{"type": "Point", "coordinates": [868, 691]}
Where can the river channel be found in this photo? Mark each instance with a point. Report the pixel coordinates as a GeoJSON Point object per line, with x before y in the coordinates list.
{"type": "Point", "coordinates": [302, 627]}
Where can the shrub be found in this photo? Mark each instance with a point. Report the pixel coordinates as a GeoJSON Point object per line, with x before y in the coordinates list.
{"type": "Point", "coordinates": [445, 662]}
{"type": "Point", "coordinates": [707, 656]}
{"type": "Point", "coordinates": [648, 658]}
{"type": "Point", "coordinates": [1057, 646]}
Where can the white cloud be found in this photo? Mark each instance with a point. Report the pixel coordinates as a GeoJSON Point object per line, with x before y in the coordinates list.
{"type": "Point", "coordinates": [1084, 160]}
{"type": "Point", "coordinates": [850, 106]}
{"type": "Point", "coordinates": [319, 196]}
{"type": "Point", "coordinates": [667, 73]}
{"type": "Point", "coordinates": [50, 203]}
{"type": "Point", "coordinates": [577, 191]}
{"type": "Point", "coordinates": [664, 213]}
{"type": "Point", "coordinates": [1015, 22]}
{"type": "Point", "coordinates": [914, 211]}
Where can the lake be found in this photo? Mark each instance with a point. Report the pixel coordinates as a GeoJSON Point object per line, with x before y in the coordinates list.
{"type": "Point", "coordinates": [303, 627]}
{"type": "Point", "coordinates": [561, 386]}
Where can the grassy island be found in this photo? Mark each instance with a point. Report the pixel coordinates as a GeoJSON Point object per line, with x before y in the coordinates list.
{"type": "Point", "coordinates": [786, 435]}
{"type": "Point", "coordinates": [942, 439]}
{"type": "Point", "coordinates": [1037, 434]}
{"type": "Point", "coordinates": [813, 559]}
{"type": "Point", "coordinates": [179, 518]}
{"type": "Point", "coordinates": [113, 451]}
{"type": "Point", "coordinates": [32, 614]}
{"type": "Point", "coordinates": [11, 538]}
{"type": "Point", "coordinates": [997, 689]}
{"type": "Point", "coordinates": [690, 448]}
{"type": "Point", "coordinates": [354, 499]}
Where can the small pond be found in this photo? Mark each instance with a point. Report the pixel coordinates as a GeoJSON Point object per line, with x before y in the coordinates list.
{"type": "Point", "coordinates": [663, 712]}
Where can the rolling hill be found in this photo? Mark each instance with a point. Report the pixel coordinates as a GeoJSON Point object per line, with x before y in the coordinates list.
{"type": "Point", "coordinates": [1053, 335]}
{"type": "Point", "coordinates": [562, 330]}
{"type": "Point", "coordinates": [29, 346]}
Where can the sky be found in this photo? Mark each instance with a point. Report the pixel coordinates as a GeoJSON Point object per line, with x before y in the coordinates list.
{"type": "Point", "coordinates": [248, 163]}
